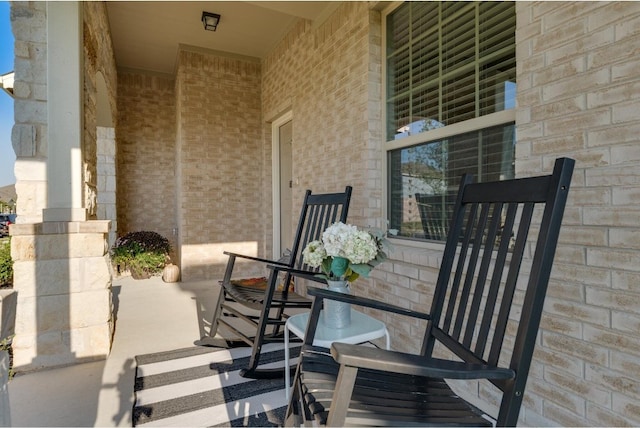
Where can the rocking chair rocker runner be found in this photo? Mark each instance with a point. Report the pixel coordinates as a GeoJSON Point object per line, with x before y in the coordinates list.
{"type": "Point", "coordinates": [482, 275]}
{"type": "Point", "coordinates": [245, 299]}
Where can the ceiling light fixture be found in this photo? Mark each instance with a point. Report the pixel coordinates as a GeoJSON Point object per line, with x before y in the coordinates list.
{"type": "Point", "coordinates": [210, 20]}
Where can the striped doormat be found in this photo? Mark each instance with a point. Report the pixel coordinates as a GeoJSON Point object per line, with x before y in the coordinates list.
{"type": "Point", "coordinates": [202, 387]}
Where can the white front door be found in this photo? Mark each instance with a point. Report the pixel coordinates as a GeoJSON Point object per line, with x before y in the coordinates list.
{"type": "Point", "coordinates": [286, 185]}
{"type": "Point", "coordinates": [283, 213]}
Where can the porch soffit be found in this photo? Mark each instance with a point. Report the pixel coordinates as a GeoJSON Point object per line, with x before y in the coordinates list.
{"type": "Point", "coordinates": [146, 35]}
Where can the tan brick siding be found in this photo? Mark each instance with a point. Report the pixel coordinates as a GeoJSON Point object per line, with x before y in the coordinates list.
{"type": "Point", "coordinates": [145, 140]}
{"type": "Point", "coordinates": [577, 96]}
{"type": "Point", "coordinates": [221, 199]}
{"type": "Point", "coordinates": [329, 75]}
{"type": "Point", "coordinates": [223, 108]}
{"type": "Point", "coordinates": [325, 75]}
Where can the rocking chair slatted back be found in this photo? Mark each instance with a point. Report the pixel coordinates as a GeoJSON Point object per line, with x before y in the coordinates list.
{"type": "Point", "coordinates": [483, 260]}
{"type": "Point", "coordinates": [319, 212]}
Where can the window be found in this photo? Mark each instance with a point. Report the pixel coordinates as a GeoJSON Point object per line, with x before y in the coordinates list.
{"type": "Point", "coordinates": [450, 98]}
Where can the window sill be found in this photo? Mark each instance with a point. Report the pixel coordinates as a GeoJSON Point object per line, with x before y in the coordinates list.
{"type": "Point", "coordinates": [416, 243]}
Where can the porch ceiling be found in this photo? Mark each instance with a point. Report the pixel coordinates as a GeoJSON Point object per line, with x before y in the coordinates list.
{"type": "Point", "coordinates": [146, 35]}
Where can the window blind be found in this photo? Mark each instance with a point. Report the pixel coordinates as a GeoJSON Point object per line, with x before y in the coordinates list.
{"type": "Point", "coordinates": [447, 62]}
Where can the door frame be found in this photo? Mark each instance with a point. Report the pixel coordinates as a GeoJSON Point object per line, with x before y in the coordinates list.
{"type": "Point", "coordinates": [275, 178]}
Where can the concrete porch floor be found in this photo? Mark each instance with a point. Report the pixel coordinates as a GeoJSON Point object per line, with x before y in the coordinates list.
{"type": "Point", "coordinates": [151, 316]}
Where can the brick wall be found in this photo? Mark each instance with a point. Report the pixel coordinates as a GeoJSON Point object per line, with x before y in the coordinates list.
{"type": "Point", "coordinates": [327, 76]}
{"type": "Point", "coordinates": [221, 198]}
{"type": "Point", "coordinates": [145, 139]}
{"type": "Point", "coordinates": [578, 96]}
{"type": "Point", "coordinates": [330, 77]}
{"type": "Point", "coordinates": [223, 138]}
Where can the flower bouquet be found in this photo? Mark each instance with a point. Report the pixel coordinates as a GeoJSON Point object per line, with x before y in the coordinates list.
{"type": "Point", "coordinates": [343, 254]}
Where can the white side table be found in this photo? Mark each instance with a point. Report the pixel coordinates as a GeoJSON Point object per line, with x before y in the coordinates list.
{"type": "Point", "coordinates": [363, 328]}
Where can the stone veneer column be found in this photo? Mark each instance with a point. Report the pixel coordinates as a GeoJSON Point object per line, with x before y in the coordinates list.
{"type": "Point", "coordinates": [64, 293]}
{"type": "Point", "coordinates": [61, 270]}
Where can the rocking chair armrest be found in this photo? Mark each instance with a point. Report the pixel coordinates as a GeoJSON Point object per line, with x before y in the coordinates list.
{"type": "Point", "coordinates": [363, 301]}
{"type": "Point", "coordinates": [312, 276]}
{"type": "Point", "coordinates": [257, 259]}
{"type": "Point", "coordinates": [323, 293]}
{"type": "Point", "coordinates": [411, 364]}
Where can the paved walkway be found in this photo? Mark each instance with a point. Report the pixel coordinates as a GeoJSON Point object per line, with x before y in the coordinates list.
{"type": "Point", "coordinates": [152, 316]}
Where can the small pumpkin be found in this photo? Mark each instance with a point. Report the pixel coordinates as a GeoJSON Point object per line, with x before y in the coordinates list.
{"type": "Point", "coordinates": [171, 273]}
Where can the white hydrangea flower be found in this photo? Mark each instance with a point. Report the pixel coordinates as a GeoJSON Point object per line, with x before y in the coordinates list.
{"type": "Point", "coordinates": [314, 253]}
{"type": "Point", "coordinates": [336, 237]}
{"type": "Point", "coordinates": [360, 248]}
{"type": "Point", "coordinates": [357, 251]}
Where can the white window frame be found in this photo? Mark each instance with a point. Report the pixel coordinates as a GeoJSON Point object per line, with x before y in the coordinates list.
{"type": "Point", "coordinates": [476, 124]}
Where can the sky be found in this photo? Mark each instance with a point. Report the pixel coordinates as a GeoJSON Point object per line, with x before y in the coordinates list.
{"type": "Point", "coordinates": [7, 155]}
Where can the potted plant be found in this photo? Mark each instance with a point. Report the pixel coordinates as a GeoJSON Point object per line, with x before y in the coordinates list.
{"type": "Point", "coordinates": [143, 253]}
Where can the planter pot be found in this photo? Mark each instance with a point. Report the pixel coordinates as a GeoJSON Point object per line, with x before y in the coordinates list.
{"type": "Point", "coordinates": [171, 273]}
{"type": "Point", "coordinates": [337, 314]}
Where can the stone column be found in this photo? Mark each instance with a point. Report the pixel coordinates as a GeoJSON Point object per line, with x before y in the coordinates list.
{"type": "Point", "coordinates": [61, 268]}
{"type": "Point", "coordinates": [64, 293]}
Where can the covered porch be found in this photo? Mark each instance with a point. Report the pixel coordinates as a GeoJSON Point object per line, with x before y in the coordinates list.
{"type": "Point", "coordinates": [199, 149]}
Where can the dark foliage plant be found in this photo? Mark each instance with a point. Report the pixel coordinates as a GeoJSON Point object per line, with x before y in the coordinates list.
{"type": "Point", "coordinates": [142, 252]}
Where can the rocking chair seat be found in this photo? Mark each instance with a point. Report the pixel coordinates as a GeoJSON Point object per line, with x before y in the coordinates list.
{"type": "Point", "coordinates": [252, 296]}
{"type": "Point", "coordinates": [396, 403]}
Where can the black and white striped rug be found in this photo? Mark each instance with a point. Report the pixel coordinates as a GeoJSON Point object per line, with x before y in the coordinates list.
{"type": "Point", "coordinates": [202, 387]}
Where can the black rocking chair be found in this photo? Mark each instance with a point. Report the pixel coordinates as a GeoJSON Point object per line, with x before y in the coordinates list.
{"type": "Point", "coordinates": [482, 275]}
{"type": "Point", "coordinates": [261, 303]}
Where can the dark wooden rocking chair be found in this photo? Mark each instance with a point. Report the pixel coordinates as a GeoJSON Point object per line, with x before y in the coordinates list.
{"type": "Point", "coordinates": [243, 299]}
{"type": "Point", "coordinates": [481, 275]}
